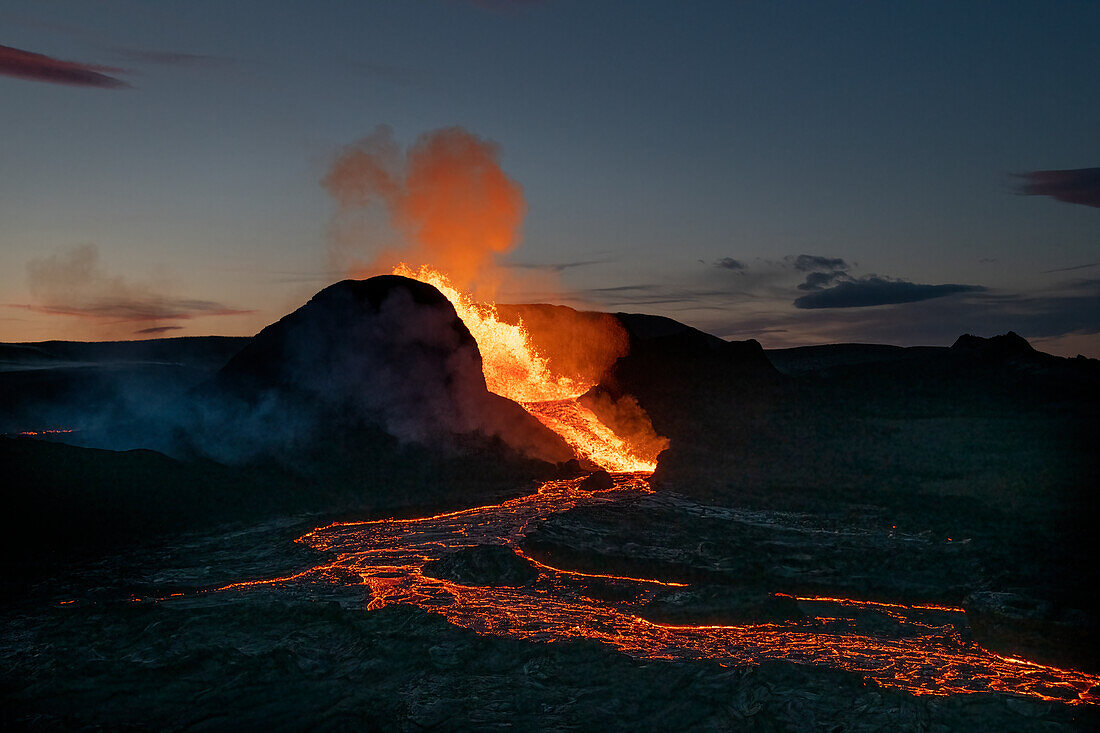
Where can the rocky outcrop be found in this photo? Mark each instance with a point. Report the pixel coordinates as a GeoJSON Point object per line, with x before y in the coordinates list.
{"type": "Point", "coordinates": [720, 605]}
{"type": "Point", "coordinates": [491, 565]}
{"type": "Point", "coordinates": [598, 481]}
{"type": "Point", "coordinates": [1006, 346]}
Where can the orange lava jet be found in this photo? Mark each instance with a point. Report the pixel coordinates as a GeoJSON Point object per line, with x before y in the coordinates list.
{"type": "Point", "coordinates": [515, 369]}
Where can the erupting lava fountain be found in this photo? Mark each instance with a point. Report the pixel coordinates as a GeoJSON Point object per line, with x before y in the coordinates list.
{"type": "Point", "coordinates": [515, 369]}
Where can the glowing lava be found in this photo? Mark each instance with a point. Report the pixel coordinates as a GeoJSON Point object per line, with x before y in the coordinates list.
{"type": "Point", "coordinates": [582, 429]}
{"type": "Point", "coordinates": [514, 369]}
{"type": "Point", "coordinates": [388, 556]}
{"type": "Point", "coordinates": [512, 366]}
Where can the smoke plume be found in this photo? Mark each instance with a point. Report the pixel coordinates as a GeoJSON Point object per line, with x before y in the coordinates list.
{"type": "Point", "coordinates": [445, 197]}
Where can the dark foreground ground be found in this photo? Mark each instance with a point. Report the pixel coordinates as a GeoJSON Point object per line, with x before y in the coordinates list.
{"type": "Point", "coordinates": [278, 665]}
{"type": "Point", "coordinates": [308, 655]}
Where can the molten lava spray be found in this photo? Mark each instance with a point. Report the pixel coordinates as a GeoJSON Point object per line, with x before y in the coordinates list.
{"type": "Point", "coordinates": [515, 369]}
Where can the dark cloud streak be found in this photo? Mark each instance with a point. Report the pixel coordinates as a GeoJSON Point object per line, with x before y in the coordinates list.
{"type": "Point", "coordinates": [30, 66]}
{"type": "Point", "coordinates": [170, 58]}
{"type": "Point", "coordinates": [811, 263]}
{"type": "Point", "coordinates": [1070, 269]}
{"type": "Point", "coordinates": [1075, 186]}
{"type": "Point", "coordinates": [872, 291]}
{"type": "Point", "coordinates": [1069, 308]}
{"type": "Point", "coordinates": [818, 280]}
{"type": "Point", "coordinates": [728, 263]}
{"type": "Point", "coordinates": [152, 308]}
{"type": "Point", "coordinates": [556, 267]}
{"type": "Point", "coordinates": [158, 329]}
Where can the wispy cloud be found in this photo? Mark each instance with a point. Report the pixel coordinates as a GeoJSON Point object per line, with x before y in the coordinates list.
{"type": "Point", "coordinates": [121, 309]}
{"type": "Point", "coordinates": [1071, 269]}
{"type": "Point", "coordinates": [662, 294]}
{"type": "Point", "coordinates": [728, 263]}
{"type": "Point", "coordinates": [819, 280]}
{"type": "Point", "coordinates": [157, 329]}
{"type": "Point", "coordinates": [820, 271]}
{"type": "Point", "coordinates": [72, 283]}
{"type": "Point", "coordinates": [1074, 186]}
{"type": "Point", "coordinates": [554, 267]}
{"type": "Point", "coordinates": [170, 58]}
{"type": "Point", "coordinates": [872, 291]}
{"type": "Point", "coordinates": [30, 66]}
{"type": "Point", "coordinates": [93, 39]}
{"type": "Point", "coordinates": [813, 263]}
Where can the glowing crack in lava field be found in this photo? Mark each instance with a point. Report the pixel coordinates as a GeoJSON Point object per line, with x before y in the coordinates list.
{"type": "Point", "coordinates": [389, 555]}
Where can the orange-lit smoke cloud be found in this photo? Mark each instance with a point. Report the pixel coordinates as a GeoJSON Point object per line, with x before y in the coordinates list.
{"type": "Point", "coordinates": [446, 198]}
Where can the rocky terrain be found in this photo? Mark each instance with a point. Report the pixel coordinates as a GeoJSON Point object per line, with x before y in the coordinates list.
{"type": "Point", "coordinates": [277, 664]}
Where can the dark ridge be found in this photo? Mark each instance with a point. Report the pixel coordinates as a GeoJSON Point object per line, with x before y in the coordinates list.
{"type": "Point", "coordinates": [643, 327]}
{"type": "Point", "coordinates": [186, 350]}
{"type": "Point", "coordinates": [1006, 346]}
{"type": "Point", "coordinates": [800, 359]}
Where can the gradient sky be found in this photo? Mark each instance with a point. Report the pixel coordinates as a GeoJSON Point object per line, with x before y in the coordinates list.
{"type": "Point", "coordinates": [793, 172]}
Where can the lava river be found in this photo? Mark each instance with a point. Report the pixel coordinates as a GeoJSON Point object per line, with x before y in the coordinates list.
{"type": "Point", "coordinates": [388, 556]}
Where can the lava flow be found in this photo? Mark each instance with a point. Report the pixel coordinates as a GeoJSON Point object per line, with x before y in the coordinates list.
{"type": "Point", "coordinates": [389, 555]}
{"type": "Point", "coordinates": [927, 657]}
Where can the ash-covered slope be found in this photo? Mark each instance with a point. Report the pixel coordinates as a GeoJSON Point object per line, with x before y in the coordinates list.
{"type": "Point", "coordinates": [677, 373]}
{"type": "Point", "coordinates": [387, 352]}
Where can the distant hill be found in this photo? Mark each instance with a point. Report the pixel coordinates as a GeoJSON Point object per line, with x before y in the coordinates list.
{"type": "Point", "coordinates": [193, 351]}
{"type": "Point", "coordinates": [801, 359]}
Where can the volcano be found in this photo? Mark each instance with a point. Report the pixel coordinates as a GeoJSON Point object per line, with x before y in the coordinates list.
{"type": "Point", "coordinates": [387, 352]}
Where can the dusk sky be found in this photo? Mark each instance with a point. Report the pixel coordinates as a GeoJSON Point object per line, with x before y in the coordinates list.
{"type": "Point", "coordinates": [793, 172]}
